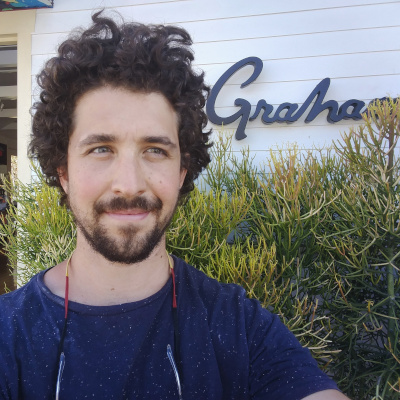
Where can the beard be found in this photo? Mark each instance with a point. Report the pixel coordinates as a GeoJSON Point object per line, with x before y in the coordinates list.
{"type": "Point", "coordinates": [130, 246]}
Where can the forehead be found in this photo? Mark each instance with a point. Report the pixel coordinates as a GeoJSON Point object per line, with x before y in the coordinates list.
{"type": "Point", "coordinates": [124, 113]}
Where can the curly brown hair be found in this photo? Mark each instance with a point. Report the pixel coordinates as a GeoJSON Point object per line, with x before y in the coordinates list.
{"type": "Point", "coordinates": [133, 56]}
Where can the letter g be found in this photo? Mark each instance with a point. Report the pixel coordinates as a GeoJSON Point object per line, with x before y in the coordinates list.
{"type": "Point", "coordinates": [245, 106]}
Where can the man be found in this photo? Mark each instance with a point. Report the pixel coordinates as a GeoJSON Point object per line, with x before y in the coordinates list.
{"type": "Point", "coordinates": [119, 129]}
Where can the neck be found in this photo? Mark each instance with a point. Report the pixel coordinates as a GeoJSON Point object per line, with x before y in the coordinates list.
{"type": "Point", "coordinates": [97, 281]}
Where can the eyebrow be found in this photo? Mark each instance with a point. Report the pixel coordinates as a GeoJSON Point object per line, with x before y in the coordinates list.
{"type": "Point", "coordinates": [97, 138]}
{"type": "Point", "coordinates": [160, 140]}
{"type": "Point", "coordinates": [108, 138]}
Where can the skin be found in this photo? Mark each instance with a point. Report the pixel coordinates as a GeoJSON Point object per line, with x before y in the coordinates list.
{"type": "Point", "coordinates": [124, 145]}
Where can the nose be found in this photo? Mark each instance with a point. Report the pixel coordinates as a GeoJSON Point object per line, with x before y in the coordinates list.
{"type": "Point", "coordinates": [128, 176]}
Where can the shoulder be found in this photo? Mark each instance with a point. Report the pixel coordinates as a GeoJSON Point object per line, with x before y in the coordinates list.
{"type": "Point", "coordinates": [21, 303]}
{"type": "Point", "coordinates": [203, 285]}
{"type": "Point", "coordinates": [27, 313]}
{"type": "Point", "coordinates": [276, 360]}
{"type": "Point", "coordinates": [196, 285]}
{"type": "Point", "coordinates": [17, 299]}
{"type": "Point", "coordinates": [19, 311]}
{"type": "Point", "coordinates": [16, 309]}
{"type": "Point", "coordinates": [225, 304]}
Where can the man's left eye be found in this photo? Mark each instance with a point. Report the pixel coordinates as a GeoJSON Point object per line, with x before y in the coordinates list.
{"type": "Point", "coordinates": [156, 150]}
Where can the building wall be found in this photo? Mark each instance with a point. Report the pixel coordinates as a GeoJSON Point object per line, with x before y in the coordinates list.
{"type": "Point", "coordinates": [353, 42]}
{"type": "Point", "coordinates": [17, 27]}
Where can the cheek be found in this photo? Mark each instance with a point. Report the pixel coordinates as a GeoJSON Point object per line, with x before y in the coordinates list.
{"type": "Point", "coordinates": [165, 185]}
{"type": "Point", "coordinates": [86, 185]}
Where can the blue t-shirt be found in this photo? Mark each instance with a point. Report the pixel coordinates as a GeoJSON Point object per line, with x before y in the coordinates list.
{"type": "Point", "coordinates": [230, 347]}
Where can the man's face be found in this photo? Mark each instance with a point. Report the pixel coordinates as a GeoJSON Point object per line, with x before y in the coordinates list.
{"type": "Point", "coordinates": [123, 176]}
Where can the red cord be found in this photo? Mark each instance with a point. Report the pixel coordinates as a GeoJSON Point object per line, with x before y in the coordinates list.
{"type": "Point", "coordinates": [66, 295]}
{"type": "Point", "coordinates": [173, 289]}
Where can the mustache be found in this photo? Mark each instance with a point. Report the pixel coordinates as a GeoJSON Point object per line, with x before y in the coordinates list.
{"type": "Point", "coordinates": [123, 204]}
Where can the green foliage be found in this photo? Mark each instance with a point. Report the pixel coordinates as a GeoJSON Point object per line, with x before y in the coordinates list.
{"type": "Point", "coordinates": [361, 234]}
{"type": "Point", "coordinates": [40, 233]}
{"type": "Point", "coordinates": [316, 240]}
{"type": "Point", "coordinates": [214, 232]}
{"type": "Point", "coordinates": [314, 236]}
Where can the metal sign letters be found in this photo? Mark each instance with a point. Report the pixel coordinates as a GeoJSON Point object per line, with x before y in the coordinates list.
{"type": "Point", "coordinates": [286, 112]}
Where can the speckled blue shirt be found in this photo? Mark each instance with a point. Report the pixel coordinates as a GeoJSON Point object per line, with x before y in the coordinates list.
{"type": "Point", "coordinates": [231, 348]}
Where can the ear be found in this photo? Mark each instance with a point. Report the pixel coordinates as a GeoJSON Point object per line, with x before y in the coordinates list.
{"type": "Point", "coordinates": [182, 177]}
{"type": "Point", "coordinates": [63, 177]}
{"type": "Point", "coordinates": [185, 161]}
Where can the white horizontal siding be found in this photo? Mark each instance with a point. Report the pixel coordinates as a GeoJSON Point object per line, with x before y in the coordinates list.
{"type": "Point", "coordinates": [220, 9]}
{"type": "Point", "coordinates": [300, 46]}
{"type": "Point", "coordinates": [74, 5]}
{"type": "Point", "coordinates": [353, 42]}
{"type": "Point", "coordinates": [277, 136]}
{"type": "Point", "coordinates": [208, 21]}
{"type": "Point", "coordinates": [288, 70]}
{"type": "Point", "coordinates": [273, 48]}
{"type": "Point", "coordinates": [316, 68]}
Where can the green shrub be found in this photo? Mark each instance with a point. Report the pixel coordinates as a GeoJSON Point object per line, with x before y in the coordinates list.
{"type": "Point", "coordinates": [313, 235]}
{"type": "Point", "coordinates": [40, 233]}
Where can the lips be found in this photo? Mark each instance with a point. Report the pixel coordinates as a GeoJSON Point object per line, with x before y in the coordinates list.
{"type": "Point", "coordinates": [128, 212]}
{"type": "Point", "coordinates": [127, 217]}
